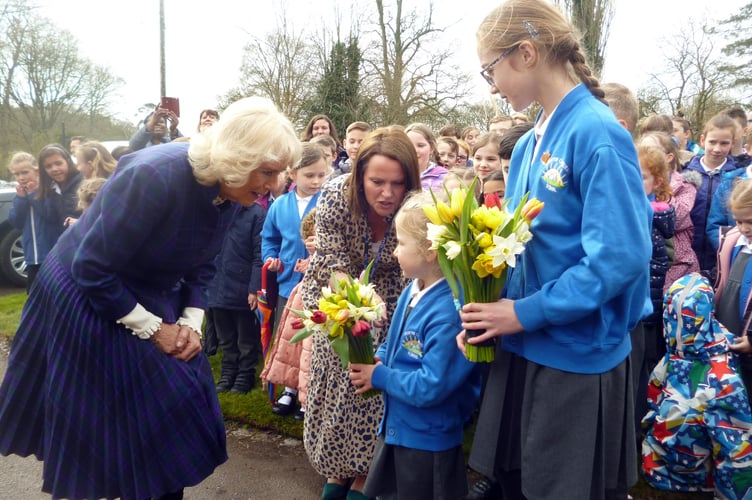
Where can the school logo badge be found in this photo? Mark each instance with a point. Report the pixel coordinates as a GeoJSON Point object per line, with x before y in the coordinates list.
{"type": "Point", "coordinates": [412, 344]}
{"type": "Point", "coordinates": [556, 173]}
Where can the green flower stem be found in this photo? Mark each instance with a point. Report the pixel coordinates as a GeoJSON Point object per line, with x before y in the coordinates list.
{"type": "Point", "coordinates": [361, 351]}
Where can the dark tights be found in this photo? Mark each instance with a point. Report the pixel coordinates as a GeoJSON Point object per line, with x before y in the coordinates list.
{"type": "Point", "coordinates": [175, 495]}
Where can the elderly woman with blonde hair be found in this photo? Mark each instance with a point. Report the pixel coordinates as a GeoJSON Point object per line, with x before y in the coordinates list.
{"type": "Point", "coordinates": [105, 382]}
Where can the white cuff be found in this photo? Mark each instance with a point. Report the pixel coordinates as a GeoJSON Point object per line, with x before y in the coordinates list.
{"type": "Point", "coordinates": [141, 322]}
{"type": "Point", "coordinates": [192, 317]}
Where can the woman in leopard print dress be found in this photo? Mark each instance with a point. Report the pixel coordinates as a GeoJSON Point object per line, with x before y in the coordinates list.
{"type": "Point", "coordinates": [354, 226]}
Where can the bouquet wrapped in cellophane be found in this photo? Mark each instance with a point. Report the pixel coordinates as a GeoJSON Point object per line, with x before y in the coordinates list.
{"type": "Point", "coordinates": [476, 246]}
{"type": "Point", "coordinates": [346, 312]}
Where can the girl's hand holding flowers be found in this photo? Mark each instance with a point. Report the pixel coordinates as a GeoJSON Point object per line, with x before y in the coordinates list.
{"type": "Point", "coordinates": [496, 318]}
{"type": "Point", "coordinates": [360, 376]}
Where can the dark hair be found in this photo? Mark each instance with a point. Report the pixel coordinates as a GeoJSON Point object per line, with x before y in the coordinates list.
{"type": "Point", "coordinates": [210, 112]}
{"type": "Point", "coordinates": [485, 139]}
{"type": "Point", "coordinates": [308, 132]}
{"type": "Point", "coordinates": [120, 151]}
{"type": "Point", "coordinates": [511, 137]}
{"type": "Point", "coordinates": [684, 123]}
{"type": "Point", "coordinates": [311, 154]}
{"type": "Point", "coordinates": [393, 143]}
{"type": "Point", "coordinates": [495, 175]}
{"type": "Point", "coordinates": [45, 181]}
{"type": "Point", "coordinates": [449, 130]}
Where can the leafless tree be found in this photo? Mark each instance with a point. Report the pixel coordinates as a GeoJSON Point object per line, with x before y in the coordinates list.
{"type": "Point", "coordinates": [592, 18]}
{"type": "Point", "coordinates": [281, 66]}
{"type": "Point", "coordinates": [692, 79]}
{"type": "Point", "coordinates": [410, 78]}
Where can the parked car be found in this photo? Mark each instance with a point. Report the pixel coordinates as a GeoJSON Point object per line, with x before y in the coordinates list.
{"type": "Point", "coordinates": [12, 264]}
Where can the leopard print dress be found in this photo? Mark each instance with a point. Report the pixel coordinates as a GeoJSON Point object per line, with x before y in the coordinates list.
{"type": "Point", "coordinates": [341, 427]}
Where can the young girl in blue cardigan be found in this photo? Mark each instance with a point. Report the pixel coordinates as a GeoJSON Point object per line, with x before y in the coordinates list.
{"type": "Point", "coordinates": [281, 244]}
{"type": "Point", "coordinates": [430, 389]}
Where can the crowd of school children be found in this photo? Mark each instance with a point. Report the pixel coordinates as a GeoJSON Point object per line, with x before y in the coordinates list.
{"type": "Point", "coordinates": [624, 329]}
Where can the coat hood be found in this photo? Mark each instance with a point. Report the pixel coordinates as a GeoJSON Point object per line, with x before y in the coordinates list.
{"type": "Point", "coordinates": [690, 327]}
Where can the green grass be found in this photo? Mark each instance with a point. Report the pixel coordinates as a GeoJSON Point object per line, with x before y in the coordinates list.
{"type": "Point", "coordinates": [254, 408]}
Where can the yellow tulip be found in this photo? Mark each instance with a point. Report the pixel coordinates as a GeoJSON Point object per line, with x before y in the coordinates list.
{"type": "Point", "coordinates": [445, 213]}
{"type": "Point", "coordinates": [432, 214]}
{"type": "Point", "coordinates": [457, 202]}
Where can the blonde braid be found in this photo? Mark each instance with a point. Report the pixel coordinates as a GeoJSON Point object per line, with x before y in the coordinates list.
{"type": "Point", "coordinates": [583, 72]}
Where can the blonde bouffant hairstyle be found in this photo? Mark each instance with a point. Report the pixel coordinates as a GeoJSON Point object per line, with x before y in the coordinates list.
{"type": "Point", "coordinates": [252, 132]}
{"type": "Point", "coordinates": [544, 26]}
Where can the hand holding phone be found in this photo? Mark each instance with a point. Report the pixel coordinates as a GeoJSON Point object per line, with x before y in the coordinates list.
{"type": "Point", "coordinates": [171, 104]}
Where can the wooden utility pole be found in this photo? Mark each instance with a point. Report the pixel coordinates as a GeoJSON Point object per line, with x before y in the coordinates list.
{"type": "Point", "coordinates": [162, 67]}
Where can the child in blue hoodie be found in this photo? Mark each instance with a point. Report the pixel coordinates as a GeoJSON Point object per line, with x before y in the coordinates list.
{"type": "Point", "coordinates": [430, 389]}
{"type": "Point", "coordinates": [562, 383]}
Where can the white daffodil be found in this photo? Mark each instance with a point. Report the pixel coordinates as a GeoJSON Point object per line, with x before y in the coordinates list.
{"type": "Point", "coordinates": [453, 249]}
{"type": "Point", "coordinates": [523, 232]}
{"type": "Point", "coordinates": [437, 234]}
{"type": "Point", "coordinates": [505, 250]}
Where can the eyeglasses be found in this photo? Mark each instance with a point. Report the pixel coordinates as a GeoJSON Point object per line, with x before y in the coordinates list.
{"type": "Point", "coordinates": [487, 71]}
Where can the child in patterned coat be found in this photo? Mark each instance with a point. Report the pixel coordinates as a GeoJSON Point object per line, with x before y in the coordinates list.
{"type": "Point", "coordinates": [699, 426]}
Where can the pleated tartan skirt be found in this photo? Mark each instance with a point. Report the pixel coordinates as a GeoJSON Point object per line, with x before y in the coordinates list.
{"type": "Point", "coordinates": [109, 414]}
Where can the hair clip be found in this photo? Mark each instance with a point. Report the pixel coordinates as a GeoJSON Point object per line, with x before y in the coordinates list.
{"type": "Point", "coordinates": [531, 30]}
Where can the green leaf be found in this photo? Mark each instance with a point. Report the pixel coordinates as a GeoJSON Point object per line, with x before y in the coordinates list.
{"type": "Point", "coordinates": [446, 269]}
{"type": "Point", "coordinates": [301, 335]}
{"type": "Point", "coordinates": [367, 272]}
{"type": "Point", "coordinates": [342, 349]}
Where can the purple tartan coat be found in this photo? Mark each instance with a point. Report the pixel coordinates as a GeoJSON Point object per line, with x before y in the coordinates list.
{"type": "Point", "coordinates": [110, 414]}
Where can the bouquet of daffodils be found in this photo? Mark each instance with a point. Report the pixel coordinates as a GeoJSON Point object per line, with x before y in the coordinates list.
{"type": "Point", "coordinates": [345, 314]}
{"type": "Point", "coordinates": [476, 246]}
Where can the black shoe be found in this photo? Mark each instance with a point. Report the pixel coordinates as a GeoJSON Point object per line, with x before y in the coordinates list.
{"type": "Point", "coordinates": [282, 409]}
{"type": "Point", "coordinates": [224, 385]}
{"type": "Point", "coordinates": [243, 383]}
{"type": "Point", "coordinates": [484, 489]}
{"type": "Point", "coordinates": [299, 415]}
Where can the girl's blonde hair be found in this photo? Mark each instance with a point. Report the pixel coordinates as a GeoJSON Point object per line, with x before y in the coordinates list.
{"type": "Point", "coordinates": [741, 195]}
{"type": "Point", "coordinates": [653, 160]}
{"type": "Point", "coordinates": [412, 220]}
{"type": "Point", "coordinates": [308, 224]}
{"type": "Point", "coordinates": [544, 26]}
{"type": "Point", "coordinates": [22, 157]}
{"type": "Point", "coordinates": [88, 190]}
{"type": "Point", "coordinates": [103, 161]}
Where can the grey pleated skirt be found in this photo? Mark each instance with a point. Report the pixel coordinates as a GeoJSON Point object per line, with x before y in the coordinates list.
{"type": "Point", "coordinates": [400, 473]}
{"type": "Point", "coordinates": [571, 435]}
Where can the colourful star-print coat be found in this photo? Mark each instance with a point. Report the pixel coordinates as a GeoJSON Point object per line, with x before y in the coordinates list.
{"type": "Point", "coordinates": [698, 427]}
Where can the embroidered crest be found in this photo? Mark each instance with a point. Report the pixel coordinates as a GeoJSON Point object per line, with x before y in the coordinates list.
{"type": "Point", "coordinates": [556, 173]}
{"type": "Point", "coordinates": [412, 344]}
